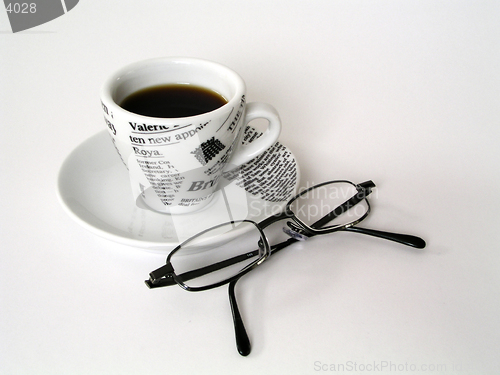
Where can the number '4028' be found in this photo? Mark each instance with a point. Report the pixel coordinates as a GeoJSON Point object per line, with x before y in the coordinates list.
{"type": "Point", "coordinates": [21, 8]}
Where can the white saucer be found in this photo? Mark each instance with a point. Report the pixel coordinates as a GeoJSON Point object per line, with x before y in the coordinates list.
{"type": "Point", "coordinates": [94, 189]}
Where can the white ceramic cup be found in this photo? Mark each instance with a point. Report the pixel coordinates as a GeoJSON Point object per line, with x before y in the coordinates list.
{"type": "Point", "coordinates": [175, 164]}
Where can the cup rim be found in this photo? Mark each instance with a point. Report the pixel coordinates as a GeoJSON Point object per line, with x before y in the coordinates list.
{"type": "Point", "coordinates": [109, 84]}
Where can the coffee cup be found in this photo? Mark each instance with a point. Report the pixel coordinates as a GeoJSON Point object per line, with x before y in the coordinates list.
{"type": "Point", "coordinates": [177, 124]}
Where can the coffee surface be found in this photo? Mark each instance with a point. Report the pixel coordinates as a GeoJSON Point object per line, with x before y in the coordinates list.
{"type": "Point", "coordinates": [173, 100]}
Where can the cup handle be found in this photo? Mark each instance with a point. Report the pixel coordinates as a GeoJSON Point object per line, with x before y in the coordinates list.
{"type": "Point", "coordinates": [245, 153]}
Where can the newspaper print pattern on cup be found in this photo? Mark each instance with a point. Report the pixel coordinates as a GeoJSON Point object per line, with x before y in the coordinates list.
{"type": "Point", "coordinates": [165, 178]}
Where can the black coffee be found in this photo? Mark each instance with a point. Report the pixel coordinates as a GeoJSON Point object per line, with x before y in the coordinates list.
{"type": "Point", "coordinates": [173, 100]}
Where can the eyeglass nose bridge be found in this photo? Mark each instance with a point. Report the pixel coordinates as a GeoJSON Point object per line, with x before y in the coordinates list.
{"type": "Point", "coordinates": [296, 232]}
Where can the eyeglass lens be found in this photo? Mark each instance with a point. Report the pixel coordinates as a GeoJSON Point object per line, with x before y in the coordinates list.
{"type": "Point", "coordinates": [223, 252]}
{"type": "Point", "coordinates": [315, 203]}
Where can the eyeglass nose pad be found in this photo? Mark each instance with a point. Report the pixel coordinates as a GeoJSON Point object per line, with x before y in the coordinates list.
{"type": "Point", "coordinates": [295, 232]}
{"type": "Point", "coordinates": [260, 244]}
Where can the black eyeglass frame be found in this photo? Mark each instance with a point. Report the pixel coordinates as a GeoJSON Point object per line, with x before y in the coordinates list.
{"type": "Point", "coordinates": [166, 276]}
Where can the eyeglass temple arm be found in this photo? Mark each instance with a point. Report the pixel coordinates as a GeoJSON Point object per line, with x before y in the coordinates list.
{"type": "Point", "coordinates": [405, 239]}
{"type": "Point", "coordinates": [163, 275]}
{"type": "Point", "coordinates": [242, 341]}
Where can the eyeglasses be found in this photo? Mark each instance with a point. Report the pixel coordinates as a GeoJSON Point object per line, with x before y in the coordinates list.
{"type": "Point", "coordinates": [224, 253]}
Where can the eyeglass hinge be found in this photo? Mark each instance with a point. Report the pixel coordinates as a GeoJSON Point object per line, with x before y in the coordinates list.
{"type": "Point", "coordinates": [367, 184]}
{"type": "Point", "coordinates": [160, 273]}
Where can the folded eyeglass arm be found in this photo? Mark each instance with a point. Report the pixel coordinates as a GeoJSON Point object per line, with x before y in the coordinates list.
{"type": "Point", "coordinates": [163, 276]}
{"type": "Point", "coordinates": [405, 239]}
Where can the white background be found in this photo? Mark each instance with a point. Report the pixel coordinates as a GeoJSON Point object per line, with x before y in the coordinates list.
{"type": "Point", "coordinates": [405, 93]}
